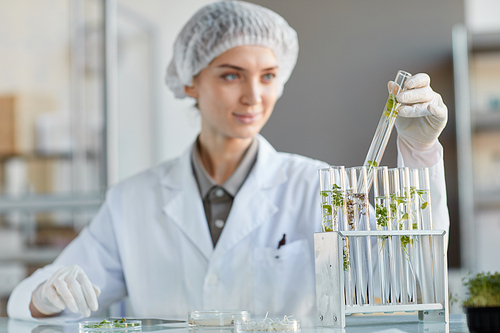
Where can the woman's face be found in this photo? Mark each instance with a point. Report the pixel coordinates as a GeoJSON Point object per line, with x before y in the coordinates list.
{"type": "Point", "coordinates": [237, 92]}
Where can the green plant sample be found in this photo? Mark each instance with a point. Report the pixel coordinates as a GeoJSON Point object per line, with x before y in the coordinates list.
{"type": "Point", "coordinates": [398, 203]}
{"type": "Point", "coordinates": [484, 290]}
{"type": "Point", "coordinates": [355, 203]}
{"type": "Point", "coordinates": [326, 211]}
{"type": "Point", "coordinates": [337, 196]}
{"type": "Point", "coordinates": [390, 105]}
{"type": "Point", "coordinates": [414, 194]}
{"type": "Point", "coordinates": [382, 218]}
{"type": "Point", "coordinates": [118, 323]}
{"type": "Point", "coordinates": [381, 215]}
{"type": "Point", "coordinates": [347, 260]}
{"type": "Point", "coordinates": [330, 210]}
{"type": "Point", "coordinates": [405, 241]}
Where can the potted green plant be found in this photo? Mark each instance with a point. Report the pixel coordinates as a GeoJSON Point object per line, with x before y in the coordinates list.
{"type": "Point", "coordinates": [482, 306]}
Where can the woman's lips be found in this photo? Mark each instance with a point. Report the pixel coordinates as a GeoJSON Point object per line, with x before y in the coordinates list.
{"type": "Point", "coordinates": [246, 118]}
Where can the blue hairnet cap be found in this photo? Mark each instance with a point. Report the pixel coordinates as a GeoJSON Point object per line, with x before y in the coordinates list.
{"type": "Point", "coordinates": [220, 26]}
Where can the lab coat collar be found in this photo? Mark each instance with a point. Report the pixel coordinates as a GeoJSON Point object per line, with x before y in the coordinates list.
{"type": "Point", "coordinates": [268, 170]}
{"type": "Point", "coordinates": [252, 207]}
{"type": "Point", "coordinates": [178, 173]}
{"type": "Point", "coordinates": [183, 205]}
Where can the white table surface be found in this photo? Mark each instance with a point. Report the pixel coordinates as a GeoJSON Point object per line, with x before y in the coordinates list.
{"type": "Point", "coordinates": [355, 324]}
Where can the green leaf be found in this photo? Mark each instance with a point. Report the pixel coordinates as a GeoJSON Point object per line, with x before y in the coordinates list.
{"type": "Point", "coordinates": [327, 209]}
{"type": "Point", "coordinates": [347, 262]}
{"type": "Point", "coordinates": [372, 164]}
{"type": "Point", "coordinates": [389, 106]}
{"type": "Point", "coordinates": [404, 217]}
{"type": "Point", "coordinates": [424, 205]}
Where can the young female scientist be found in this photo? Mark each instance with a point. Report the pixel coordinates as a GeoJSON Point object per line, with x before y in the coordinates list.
{"type": "Point", "coordinates": [202, 231]}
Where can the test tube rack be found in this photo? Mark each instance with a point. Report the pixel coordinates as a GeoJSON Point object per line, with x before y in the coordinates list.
{"type": "Point", "coordinates": [330, 275]}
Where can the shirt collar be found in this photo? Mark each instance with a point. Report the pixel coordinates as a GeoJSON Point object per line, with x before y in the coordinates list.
{"type": "Point", "coordinates": [234, 183]}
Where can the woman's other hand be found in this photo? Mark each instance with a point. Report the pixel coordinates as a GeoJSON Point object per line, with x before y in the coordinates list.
{"type": "Point", "coordinates": [67, 287]}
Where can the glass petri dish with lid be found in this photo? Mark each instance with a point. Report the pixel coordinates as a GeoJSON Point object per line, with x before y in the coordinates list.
{"type": "Point", "coordinates": [216, 319]}
{"type": "Point", "coordinates": [122, 325]}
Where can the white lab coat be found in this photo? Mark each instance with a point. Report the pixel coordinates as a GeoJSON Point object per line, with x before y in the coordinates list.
{"type": "Point", "coordinates": [150, 241]}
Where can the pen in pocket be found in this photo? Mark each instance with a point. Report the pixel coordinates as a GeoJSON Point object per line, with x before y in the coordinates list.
{"type": "Point", "coordinates": [282, 242]}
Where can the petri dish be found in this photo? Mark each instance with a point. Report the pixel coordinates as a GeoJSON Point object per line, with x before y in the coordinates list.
{"type": "Point", "coordinates": [267, 325]}
{"type": "Point", "coordinates": [112, 326]}
{"type": "Point", "coordinates": [216, 319]}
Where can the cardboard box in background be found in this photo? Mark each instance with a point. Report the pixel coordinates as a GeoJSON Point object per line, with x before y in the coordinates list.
{"type": "Point", "coordinates": [486, 158]}
{"type": "Point", "coordinates": [18, 114]}
{"type": "Point", "coordinates": [485, 82]}
{"type": "Point", "coordinates": [7, 145]}
{"type": "Point", "coordinates": [40, 175]}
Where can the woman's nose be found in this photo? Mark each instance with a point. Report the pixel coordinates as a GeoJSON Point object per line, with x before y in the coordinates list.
{"type": "Point", "coordinates": [252, 93]}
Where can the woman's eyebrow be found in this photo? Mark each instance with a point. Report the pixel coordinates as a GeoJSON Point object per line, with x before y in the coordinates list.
{"type": "Point", "coordinates": [231, 66]}
{"type": "Point", "coordinates": [242, 69]}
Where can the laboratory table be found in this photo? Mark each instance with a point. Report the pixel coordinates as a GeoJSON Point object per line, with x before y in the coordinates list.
{"type": "Point", "coordinates": [355, 324]}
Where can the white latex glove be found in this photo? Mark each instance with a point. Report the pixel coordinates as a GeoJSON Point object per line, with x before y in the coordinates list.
{"type": "Point", "coordinates": [69, 286]}
{"type": "Point", "coordinates": [422, 115]}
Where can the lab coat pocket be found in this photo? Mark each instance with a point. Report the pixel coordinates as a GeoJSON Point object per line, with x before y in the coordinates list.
{"type": "Point", "coordinates": [284, 280]}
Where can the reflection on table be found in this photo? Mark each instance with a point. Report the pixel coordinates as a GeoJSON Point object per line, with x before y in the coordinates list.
{"type": "Point", "coordinates": [355, 324]}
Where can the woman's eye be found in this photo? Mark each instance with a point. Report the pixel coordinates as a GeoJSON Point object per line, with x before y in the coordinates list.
{"type": "Point", "coordinates": [231, 77]}
{"type": "Point", "coordinates": [269, 76]}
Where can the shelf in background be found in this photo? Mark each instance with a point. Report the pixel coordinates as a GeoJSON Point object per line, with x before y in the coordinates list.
{"type": "Point", "coordinates": [48, 203]}
{"type": "Point", "coordinates": [91, 155]}
{"type": "Point", "coordinates": [488, 199]}
{"type": "Point", "coordinates": [486, 120]}
{"type": "Point", "coordinates": [33, 256]}
{"type": "Point", "coordinates": [485, 42]}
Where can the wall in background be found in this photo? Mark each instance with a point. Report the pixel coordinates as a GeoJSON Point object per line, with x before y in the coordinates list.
{"type": "Point", "coordinates": [348, 51]}
{"type": "Point", "coordinates": [177, 120]}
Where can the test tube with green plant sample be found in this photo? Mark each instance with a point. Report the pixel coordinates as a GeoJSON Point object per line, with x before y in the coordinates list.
{"type": "Point", "coordinates": [399, 288]}
{"type": "Point", "coordinates": [383, 219]}
{"type": "Point", "coordinates": [403, 219]}
{"type": "Point", "coordinates": [359, 219]}
{"type": "Point", "coordinates": [326, 199]}
{"type": "Point", "coordinates": [385, 126]}
{"type": "Point", "coordinates": [332, 197]}
{"type": "Point", "coordinates": [424, 248]}
{"type": "Point", "coordinates": [334, 218]}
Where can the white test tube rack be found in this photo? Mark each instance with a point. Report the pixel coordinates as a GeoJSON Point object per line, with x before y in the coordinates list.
{"type": "Point", "coordinates": [330, 291]}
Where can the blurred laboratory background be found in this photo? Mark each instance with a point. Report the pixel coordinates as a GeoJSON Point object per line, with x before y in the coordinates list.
{"type": "Point", "coordinates": [83, 105]}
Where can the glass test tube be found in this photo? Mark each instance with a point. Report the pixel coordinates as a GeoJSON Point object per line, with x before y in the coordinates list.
{"type": "Point", "coordinates": [406, 222]}
{"type": "Point", "coordinates": [383, 223]}
{"type": "Point", "coordinates": [423, 248]}
{"type": "Point", "coordinates": [358, 216]}
{"type": "Point", "coordinates": [421, 190]}
{"type": "Point", "coordinates": [397, 255]}
{"type": "Point", "coordinates": [333, 212]}
{"type": "Point", "coordinates": [339, 214]}
{"type": "Point", "coordinates": [326, 199]}
{"type": "Point", "coordinates": [385, 126]}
